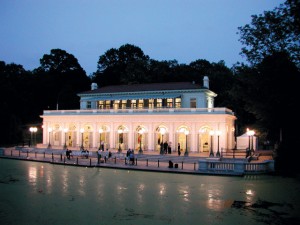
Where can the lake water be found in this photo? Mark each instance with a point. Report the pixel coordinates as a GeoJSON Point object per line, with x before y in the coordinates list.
{"type": "Point", "coordinates": [41, 193]}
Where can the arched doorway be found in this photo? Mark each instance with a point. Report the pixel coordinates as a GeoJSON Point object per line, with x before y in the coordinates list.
{"type": "Point", "coordinates": [140, 138]}
{"type": "Point", "coordinates": [103, 141]}
{"type": "Point", "coordinates": [71, 135]}
{"type": "Point", "coordinates": [121, 138]}
{"type": "Point", "coordinates": [161, 136]}
{"type": "Point", "coordinates": [86, 136]}
{"type": "Point", "coordinates": [182, 138]}
{"type": "Point", "coordinates": [204, 139]}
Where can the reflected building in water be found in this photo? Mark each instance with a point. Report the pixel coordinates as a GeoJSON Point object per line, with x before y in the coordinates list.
{"type": "Point", "coordinates": [141, 117]}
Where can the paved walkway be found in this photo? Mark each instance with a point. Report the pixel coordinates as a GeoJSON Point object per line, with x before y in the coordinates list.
{"type": "Point", "coordinates": [148, 161]}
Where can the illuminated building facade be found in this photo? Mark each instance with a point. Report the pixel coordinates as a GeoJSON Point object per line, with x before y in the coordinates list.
{"type": "Point", "coordinates": [141, 117]}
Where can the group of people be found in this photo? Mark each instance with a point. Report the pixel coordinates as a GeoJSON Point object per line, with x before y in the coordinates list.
{"type": "Point", "coordinates": [103, 154]}
{"type": "Point", "coordinates": [165, 148]}
{"type": "Point", "coordinates": [130, 156]}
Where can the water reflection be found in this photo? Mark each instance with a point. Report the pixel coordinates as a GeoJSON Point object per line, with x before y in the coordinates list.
{"type": "Point", "coordinates": [250, 195]}
{"type": "Point", "coordinates": [32, 175]}
{"type": "Point", "coordinates": [76, 195]}
{"type": "Point", "coordinates": [184, 192]}
{"type": "Point", "coordinates": [162, 189]}
{"type": "Point", "coordinates": [65, 181]}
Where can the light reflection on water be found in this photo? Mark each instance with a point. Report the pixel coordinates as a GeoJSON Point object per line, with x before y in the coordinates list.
{"type": "Point", "coordinates": [53, 194]}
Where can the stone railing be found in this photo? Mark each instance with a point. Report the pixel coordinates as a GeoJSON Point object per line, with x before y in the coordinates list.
{"type": "Point", "coordinates": [237, 166]}
{"type": "Point", "coordinates": [141, 111]}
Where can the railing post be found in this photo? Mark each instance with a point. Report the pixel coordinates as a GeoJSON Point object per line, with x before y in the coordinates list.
{"type": "Point", "coordinates": [158, 163]}
{"type": "Point", "coordinates": [60, 157]}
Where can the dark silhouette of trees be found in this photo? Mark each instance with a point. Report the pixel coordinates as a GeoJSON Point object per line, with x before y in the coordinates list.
{"type": "Point", "coordinates": [128, 64]}
{"type": "Point", "coordinates": [62, 79]}
{"type": "Point", "coordinates": [274, 31]}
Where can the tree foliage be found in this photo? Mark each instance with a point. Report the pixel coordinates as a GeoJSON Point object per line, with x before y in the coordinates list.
{"type": "Point", "coordinates": [271, 32]}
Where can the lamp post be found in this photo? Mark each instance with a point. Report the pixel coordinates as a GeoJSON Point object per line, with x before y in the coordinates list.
{"type": "Point", "coordinates": [141, 131]}
{"type": "Point", "coordinates": [34, 132]}
{"type": "Point", "coordinates": [81, 131]}
{"type": "Point", "coordinates": [100, 132]}
{"type": "Point", "coordinates": [162, 131]}
{"type": "Point", "coordinates": [65, 131]}
{"type": "Point", "coordinates": [250, 134]}
{"type": "Point", "coordinates": [31, 130]}
{"type": "Point", "coordinates": [49, 130]}
{"type": "Point", "coordinates": [218, 134]}
{"type": "Point", "coordinates": [120, 132]}
{"type": "Point", "coordinates": [211, 133]}
{"type": "Point", "coordinates": [186, 132]}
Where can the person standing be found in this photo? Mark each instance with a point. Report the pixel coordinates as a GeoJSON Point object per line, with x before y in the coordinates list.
{"type": "Point", "coordinates": [166, 147]}
{"type": "Point", "coordinates": [102, 145]}
{"type": "Point", "coordinates": [99, 154]}
{"type": "Point", "coordinates": [178, 149]}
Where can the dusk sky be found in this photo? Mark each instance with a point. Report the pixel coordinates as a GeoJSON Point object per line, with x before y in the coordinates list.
{"type": "Point", "coordinates": [184, 30]}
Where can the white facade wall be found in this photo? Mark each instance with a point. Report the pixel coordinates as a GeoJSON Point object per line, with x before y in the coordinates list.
{"type": "Point", "coordinates": [198, 126]}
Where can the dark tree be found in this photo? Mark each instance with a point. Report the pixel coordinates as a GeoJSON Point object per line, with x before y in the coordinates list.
{"type": "Point", "coordinates": [128, 64]}
{"type": "Point", "coordinates": [274, 31]}
{"type": "Point", "coordinates": [62, 79]}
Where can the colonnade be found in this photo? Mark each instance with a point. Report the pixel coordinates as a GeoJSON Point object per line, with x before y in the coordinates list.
{"type": "Point", "coordinates": [192, 137]}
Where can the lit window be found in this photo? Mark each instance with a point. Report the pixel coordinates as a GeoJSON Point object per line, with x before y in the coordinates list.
{"type": "Point", "coordinates": [159, 103]}
{"type": "Point", "coordinates": [100, 104]}
{"type": "Point", "coordinates": [124, 102]}
{"type": "Point", "coordinates": [133, 104]}
{"type": "Point", "coordinates": [107, 104]}
{"type": "Point", "coordinates": [141, 104]}
{"type": "Point", "coordinates": [116, 104]}
{"type": "Point", "coordinates": [151, 103]}
{"type": "Point", "coordinates": [177, 102]}
{"type": "Point", "coordinates": [170, 102]}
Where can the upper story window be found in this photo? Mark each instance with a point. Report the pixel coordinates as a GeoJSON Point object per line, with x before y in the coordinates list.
{"type": "Point", "coordinates": [116, 104]}
{"type": "Point", "coordinates": [88, 105]}
{"type": "Point", "coordinates": [104, 104]}
{"type": "Point", "coordinates": [177, 102]}
{"type": "Point", "coordinates": [107, 104]}
{"type": "Point", "coordinates": [133, 104]}
{"type": "Point", "coordinates": [159, 103]}
{"type": "Point", "coordinates": [123, 104]}
{"type": "Point", "coordinates": [100, 104]}
{"type": "Point", "coordinates": [193, 103]}
{"type": "Point", "coordinates": [170, 102]}
{"type": "Point", "coordinates": [141, 104]}
{"type": "Point", "coordinates": [151, 103]}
